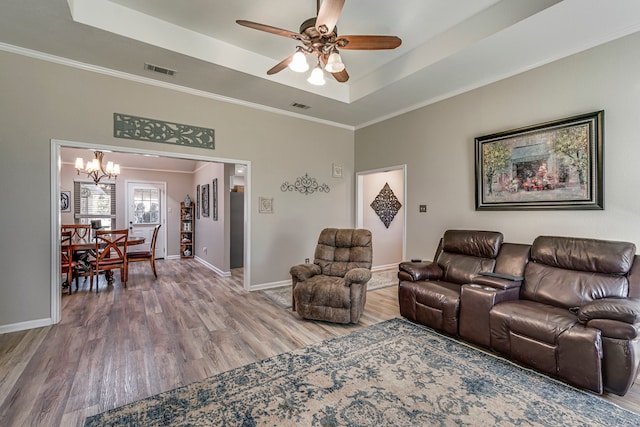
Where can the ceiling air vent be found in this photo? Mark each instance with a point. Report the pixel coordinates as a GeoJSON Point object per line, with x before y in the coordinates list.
{"type": "Point", "coordinates": [301, 106]}
{"type": "Point", "coordinates": [161, 70]}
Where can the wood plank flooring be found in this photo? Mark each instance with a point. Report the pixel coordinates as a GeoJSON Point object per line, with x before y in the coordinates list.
{"type": "Point", "coordinates": [121, 345]}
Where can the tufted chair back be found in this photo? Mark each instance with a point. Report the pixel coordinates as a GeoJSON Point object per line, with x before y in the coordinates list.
{"type": "Point", "coordinates": [340, 250]}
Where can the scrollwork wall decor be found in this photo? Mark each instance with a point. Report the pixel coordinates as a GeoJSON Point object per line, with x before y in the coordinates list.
{"type": "Point", "coordinates": [305, 185]}
{"type": "Point", "coordinates": [143, 129]}
{"type": "Point", "coordinates": [386, 205]}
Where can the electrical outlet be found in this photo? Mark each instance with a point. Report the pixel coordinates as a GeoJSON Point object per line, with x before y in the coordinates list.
{"type": "Point", "coordinates": [306, 260]}
{"type": "Point", "coordinates": [423, 208]}
{"type": "Point", "coordinates": [204, 250]}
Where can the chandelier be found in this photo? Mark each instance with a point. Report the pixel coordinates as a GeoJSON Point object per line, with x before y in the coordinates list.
{"type": "Point", "coordinates": [96, 170]}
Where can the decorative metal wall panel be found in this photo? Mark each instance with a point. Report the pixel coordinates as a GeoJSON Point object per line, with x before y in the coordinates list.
{"type": "Point", "coordinates": [305, 185]}
{"type": "Point", "coordinates": [386, 205]}
{"type": "Point", "coordinates": [142, 129]}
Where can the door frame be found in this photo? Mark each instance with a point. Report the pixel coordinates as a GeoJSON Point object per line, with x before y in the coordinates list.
{"type": "Point", "coordinates": [361, 205]}
{"type": "Point", "coordinates": [56, 144]}
{"type": "Point", "coordinates": [163, 211]}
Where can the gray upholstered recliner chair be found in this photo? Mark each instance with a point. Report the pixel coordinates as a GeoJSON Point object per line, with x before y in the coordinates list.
{"type": "Point", "coordinates": [334, 287]}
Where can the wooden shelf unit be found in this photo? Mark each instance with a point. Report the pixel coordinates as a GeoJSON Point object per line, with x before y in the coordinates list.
{"type": "Point", "coordinates": [187, 225]}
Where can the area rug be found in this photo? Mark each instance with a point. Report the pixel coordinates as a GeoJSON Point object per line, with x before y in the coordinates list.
{"type": "Point", "coordinates": [394, 373]}
{"type": "Point", "coordinates": [379, 279]}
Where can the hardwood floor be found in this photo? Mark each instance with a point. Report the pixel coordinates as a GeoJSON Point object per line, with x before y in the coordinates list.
{"type": "Point", "coordinates": [121, 345]}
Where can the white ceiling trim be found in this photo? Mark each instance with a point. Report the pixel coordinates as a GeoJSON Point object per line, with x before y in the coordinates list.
{"type": "Point", "coordinates": [151, 82]}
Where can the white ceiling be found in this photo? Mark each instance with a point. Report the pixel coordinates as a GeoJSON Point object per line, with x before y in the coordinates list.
{"type": "Point", "coordinates": [448, 47]}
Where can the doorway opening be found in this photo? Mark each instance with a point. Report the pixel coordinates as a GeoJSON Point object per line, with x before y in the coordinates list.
{"type": "Point", "coordinates": [58, 145]}
{"type": "Point", "coordinates": [388, 226]}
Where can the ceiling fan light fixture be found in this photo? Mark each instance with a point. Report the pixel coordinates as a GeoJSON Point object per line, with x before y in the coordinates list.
{"type": "Point", "coordinates": [317, 76]}
{"type": "Point", "coordinates": [334, 63]}
{"type": "Point", "coordinates": [299, 62]}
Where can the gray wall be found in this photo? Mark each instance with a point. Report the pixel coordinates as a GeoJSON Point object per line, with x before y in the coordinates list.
{"type": "Point", "coordinates": [437, 144]}
{"type": "Point", "coordinates": [43, 101]}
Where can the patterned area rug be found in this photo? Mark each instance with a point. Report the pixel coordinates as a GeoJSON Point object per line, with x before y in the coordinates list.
{"type": "Point", "coordinates": [394, 373]}
{"type": "Point", "coordinates": [379, 279]}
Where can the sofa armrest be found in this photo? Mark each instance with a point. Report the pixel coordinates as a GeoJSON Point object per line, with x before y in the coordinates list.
{"type": "Point", "coordinates": [497, 281]}
{"type": "Point", "coordinates": [415, 271]}
{"type": "Point", "coordinates": [302, 272]}
{"type": "Point", "coordinates": [357, 275]}
{"type": "Point", "coordinates": [625, 310]}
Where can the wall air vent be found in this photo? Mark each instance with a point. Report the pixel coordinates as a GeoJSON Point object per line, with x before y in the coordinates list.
{"type": "Point", "coordinates": [161, 70]}
{"type": "Point", "coordinates": [301, 106]}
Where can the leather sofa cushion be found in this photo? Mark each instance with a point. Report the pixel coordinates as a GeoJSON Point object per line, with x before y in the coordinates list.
{"type": "Point", "coordinates": [419, 271]}
{"type": "Point", "coordinates": [621, 309]}
{"type": "Point", "coordinates": [541, 322]}
{"type": "Point", "coordinates": [615, 329]}
{"type": "Point", "coordinates": [601, 256]}
{"type": "Point", "coordinates": [569, 288]}
{"type": "Point", "coordinates": [437, 294]}
{"type": "Point", "coordinates": [483, 244]}
{"type": "Point", "coordinates": [512, 259]}
{"type": "Point", "coordinates": [463, 269]}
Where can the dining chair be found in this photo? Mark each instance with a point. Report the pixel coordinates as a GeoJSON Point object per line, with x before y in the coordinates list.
{"type": "Point", "coordinates": [150, 255]}
{"type": "Point", "coordinates": [67, 264]}
{"type": "Point", "coordinates": [111, 253]}
{"type": "Point", "coordinates": [81, 258]}
{"type": "Point", "coordinates": [79, 231]}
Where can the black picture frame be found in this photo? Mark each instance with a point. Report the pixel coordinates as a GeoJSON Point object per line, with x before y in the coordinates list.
{"type": "Point", "coordinates": [214, 199]}
{"type": "Point", "coordinates": [205, 200]}
{"type": "Point", "coordinates": [548, 166]}
{"type": "Point", "coordinates": [198, 201]}
{"type": "Point", "coordinates": [65, 201]}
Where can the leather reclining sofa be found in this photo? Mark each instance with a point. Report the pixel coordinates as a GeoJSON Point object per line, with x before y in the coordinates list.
{"type": "Point", "coordinates": [567, 307]}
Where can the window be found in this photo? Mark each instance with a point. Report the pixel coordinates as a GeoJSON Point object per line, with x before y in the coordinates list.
{"type": "Point", "coordinates": [95, 202]}
{"type": "Point", "coordinates": [147, 203]}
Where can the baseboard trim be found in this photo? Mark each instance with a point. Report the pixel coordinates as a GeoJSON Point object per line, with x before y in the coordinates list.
{"type": "Point", "coordinates": [385, 267]}
{"type": "Point", "coordinates": [270, 285]}
{"type": "Point", "coordinates": [22, 326]}
{"type": "Point", "coordinates": [213, 267]}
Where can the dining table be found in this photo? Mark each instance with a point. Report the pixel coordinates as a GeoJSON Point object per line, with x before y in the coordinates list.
{"type": "Point", "coordinates": [86, 244]}
{"type": "Point", "coordinates": [79, 245]}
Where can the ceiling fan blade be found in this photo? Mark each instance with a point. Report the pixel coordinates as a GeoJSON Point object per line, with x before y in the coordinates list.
{"type": "Point", "coordinates": [269, 29]}
{"type": "Point", "coordinates": [368, 42]}
{"type": "Point", "coordinates": [341, 76]}
{"type": "Point", "coordinates": [281, 65]}
{"type": "Point", "coordinates": [328, 15]}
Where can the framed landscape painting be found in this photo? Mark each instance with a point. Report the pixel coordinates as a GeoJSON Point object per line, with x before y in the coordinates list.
{"type": "Point", "coordinates": [553, 165]}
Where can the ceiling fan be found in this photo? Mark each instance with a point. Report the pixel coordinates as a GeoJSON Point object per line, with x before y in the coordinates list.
{"type": "Point", "coordinates": [319, 37]}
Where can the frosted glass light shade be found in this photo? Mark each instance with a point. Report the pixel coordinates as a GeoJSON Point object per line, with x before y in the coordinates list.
{"type": "Point", "coordinates": [299, 62]}
{"type": "Point", "coordinates": [334, 63]}
{"type": "Point", "coordinates": [316, 77]}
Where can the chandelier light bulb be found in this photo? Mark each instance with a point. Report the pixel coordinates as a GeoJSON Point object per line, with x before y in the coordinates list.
{"type": "Point", "coordinates": [317, 76]}
{"type": "Point", "coordinates": [95, 168]}
{"type": "Point", "coordinates": [334, 63]}
{"type": "Point", "coordinates": [299, 62]}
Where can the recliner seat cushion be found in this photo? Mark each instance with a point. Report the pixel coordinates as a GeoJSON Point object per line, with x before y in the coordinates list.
{"type": "Point", "coordinates": [321, 290]}
{"type": "Point", "coordinates": [541, 322]}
